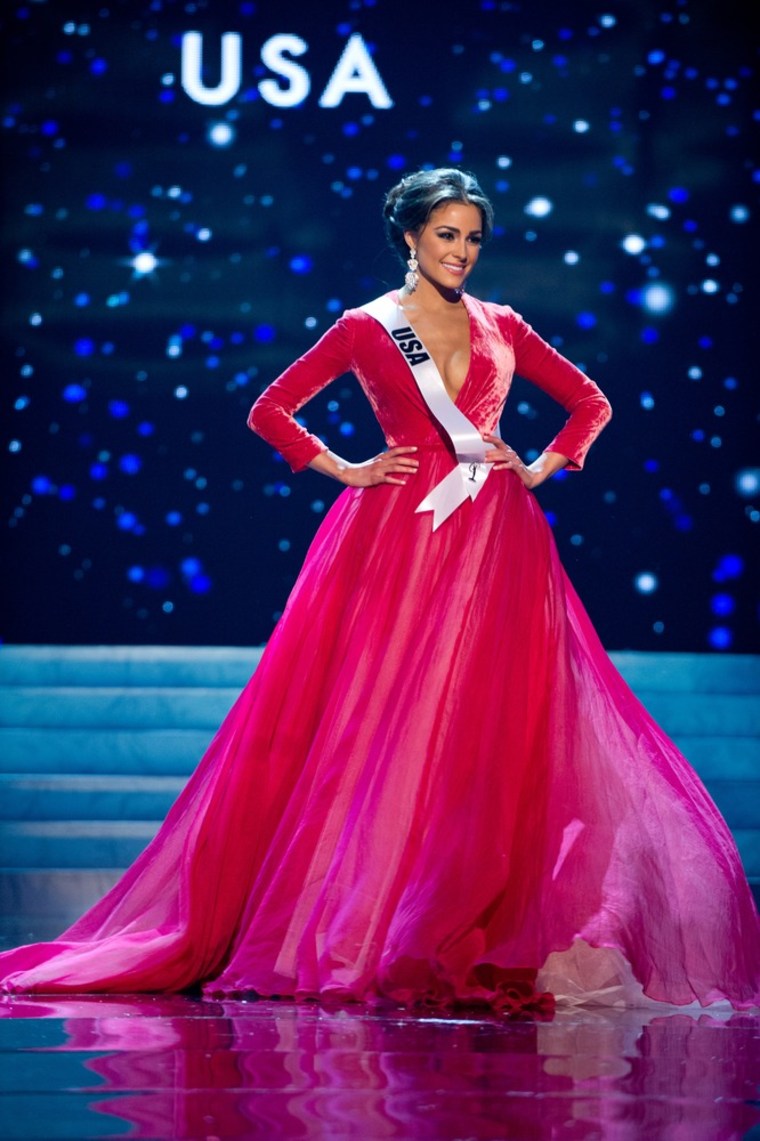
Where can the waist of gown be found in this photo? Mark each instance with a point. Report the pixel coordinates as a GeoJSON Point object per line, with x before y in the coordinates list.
{"type": "Point", "coordinates": [444, 447]}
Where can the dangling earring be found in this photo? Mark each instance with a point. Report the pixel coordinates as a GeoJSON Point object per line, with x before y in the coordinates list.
{"type": "Point", "coordinates": [411, 279]}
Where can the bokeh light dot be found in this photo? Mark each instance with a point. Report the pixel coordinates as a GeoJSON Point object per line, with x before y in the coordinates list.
{"type": "Point", "coordinates": [633, 244]}
{"type": "Point", "coordinates": [747, 482]}
{"type": "Point", "coordinates": [539, 207]}
{"type": "Point", "coordinates": [657, 298]}
{"type": "Point", "coordinates": [720, 638]}
{"type": "Point", "coordinates": [130, 464]}
{"type": "Point", "coordinates": [722, 604]}
{"type": "Point", "coordinates": [221, 134]}
{"type": "Point", "coordinates": [144, 263]}
{"type": "Point", "coordinates": [74, 393]}
{"type": "Point", "coordinates": [729, 566]}
{"type": "Point", "coordinates": [646, 582]}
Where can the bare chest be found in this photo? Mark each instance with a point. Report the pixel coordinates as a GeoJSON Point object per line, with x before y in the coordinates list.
{"type": "Point", "coordinates": [448, 343]}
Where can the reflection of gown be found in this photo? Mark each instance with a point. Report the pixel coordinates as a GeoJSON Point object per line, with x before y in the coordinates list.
{"type": "Point", "coordinates": [435, 778]}
{"type": "Point", "coordinates": [166, 1066]}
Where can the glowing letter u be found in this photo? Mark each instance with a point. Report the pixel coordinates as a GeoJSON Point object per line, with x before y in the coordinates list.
{"type": "Point", "coordinates": [192, 69]}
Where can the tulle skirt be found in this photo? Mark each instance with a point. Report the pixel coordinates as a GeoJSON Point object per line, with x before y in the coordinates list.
{"type": "Point", "coordinates": [435, 789]}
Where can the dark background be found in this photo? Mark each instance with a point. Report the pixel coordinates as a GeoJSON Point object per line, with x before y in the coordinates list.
{"type": "Point", "coordinates": [137, 507]}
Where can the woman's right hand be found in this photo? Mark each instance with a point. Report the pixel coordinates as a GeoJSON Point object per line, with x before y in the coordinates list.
{"type": "Point", "coordinates": [393, 466]}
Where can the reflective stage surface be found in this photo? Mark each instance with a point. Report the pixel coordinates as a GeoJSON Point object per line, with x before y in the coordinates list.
{"type": "Point", "coordinates": [181, 1067]}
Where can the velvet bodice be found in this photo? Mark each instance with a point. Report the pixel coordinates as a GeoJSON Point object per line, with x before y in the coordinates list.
{"type": "Point", "coordinates": [501, 344]}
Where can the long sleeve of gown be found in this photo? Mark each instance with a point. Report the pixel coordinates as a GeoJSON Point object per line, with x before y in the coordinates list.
{"type": "Point", "coordinates": [587, 405]}
{"type": "Point", "coordinates": [273, 416]}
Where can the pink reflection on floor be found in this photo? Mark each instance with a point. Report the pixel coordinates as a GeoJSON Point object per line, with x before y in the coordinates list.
{"type": "Point", "coordinates": [180, 1067]}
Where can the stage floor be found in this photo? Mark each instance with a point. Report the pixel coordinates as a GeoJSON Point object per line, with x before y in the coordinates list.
{"type": "Point", "coordinates": [183, 1067]}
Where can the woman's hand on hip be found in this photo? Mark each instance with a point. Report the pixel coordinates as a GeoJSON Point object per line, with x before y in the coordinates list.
{"type": "Point", "coordinates": [394, 466]}
{"type": "Point", "coordinates": [502, 456]}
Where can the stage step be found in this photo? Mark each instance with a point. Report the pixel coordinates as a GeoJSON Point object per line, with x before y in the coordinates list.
{"type": "Point", "coordinates": [136, 750]}
{"type": "Point", "coordinates": [86, 797]}
{"type": "Point", "coordinates": [176, 751]}
{"type": "Point", "coordinates": [126, 666]}
{"type": "Point", "coordinates": [96, 743]}
{"type": "Point", "coordinates": [112, 707]}
{"type": "Point", "coordinates": [74, 843]}
{"type": "Point", "coordinates": [40, 903]}
{"type": "Point", "coordinates": [201, 707]}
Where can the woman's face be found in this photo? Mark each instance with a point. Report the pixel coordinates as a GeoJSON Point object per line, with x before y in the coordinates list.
{"type": "Point", "coordinates": [448, 244]}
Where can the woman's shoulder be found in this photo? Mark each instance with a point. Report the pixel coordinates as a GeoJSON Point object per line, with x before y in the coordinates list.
{"type": "Point", "coordinates": [355, 330]}
{"type": "Point", "coordinates": [494, 312]}
{"type": "Point", "coordinates": [495, 308]}
{"type": "Point", "coordinates": [358, 313]}
{"type": "Point", "coordinates": [349, 322]}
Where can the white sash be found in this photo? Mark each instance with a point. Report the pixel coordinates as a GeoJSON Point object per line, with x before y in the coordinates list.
{"type": "Point", "coordinates": [471, 472]}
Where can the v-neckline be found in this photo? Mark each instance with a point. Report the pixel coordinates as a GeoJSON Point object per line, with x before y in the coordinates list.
{"type": "Point", "coordinates": [454, 399]}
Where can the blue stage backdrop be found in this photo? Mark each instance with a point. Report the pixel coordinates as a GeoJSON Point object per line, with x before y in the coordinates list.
{"type": "Point", "coordinates": [192, 194]}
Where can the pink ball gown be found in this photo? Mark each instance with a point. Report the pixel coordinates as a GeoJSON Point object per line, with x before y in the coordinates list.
{"type": "Point", "coordinates": [435, 788]}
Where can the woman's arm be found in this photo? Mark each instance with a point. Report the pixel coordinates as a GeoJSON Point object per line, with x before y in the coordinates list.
{"type": "Point", "coordinates": [589, 409]}
{"type": "Point", "coordinates": [273, 416]}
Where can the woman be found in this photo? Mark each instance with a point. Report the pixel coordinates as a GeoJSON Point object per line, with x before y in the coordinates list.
{"type": "Point", "coordinates": [435, 788]}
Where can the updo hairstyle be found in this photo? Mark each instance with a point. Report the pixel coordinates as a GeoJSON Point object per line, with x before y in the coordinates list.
{"type": "Point", "coordinates": [409, 204]}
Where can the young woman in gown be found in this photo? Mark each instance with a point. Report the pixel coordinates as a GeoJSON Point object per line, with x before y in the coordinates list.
{"type": "Point", "coordinates": [436, 788]}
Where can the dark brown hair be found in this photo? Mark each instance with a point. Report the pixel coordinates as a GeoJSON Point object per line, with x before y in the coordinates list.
{"type": "Point", "coordinates": [409, 204]}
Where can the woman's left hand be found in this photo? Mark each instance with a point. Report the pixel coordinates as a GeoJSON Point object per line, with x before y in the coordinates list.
{"type": "Point", "coordinates": [502, 456]}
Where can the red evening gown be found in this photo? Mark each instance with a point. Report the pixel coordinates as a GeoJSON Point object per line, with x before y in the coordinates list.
{"type": "Point", "coordinates": [436, 787]}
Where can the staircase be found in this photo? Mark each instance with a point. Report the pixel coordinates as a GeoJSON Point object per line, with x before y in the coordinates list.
{"type": "Point", "coordinates": [96, 742]}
